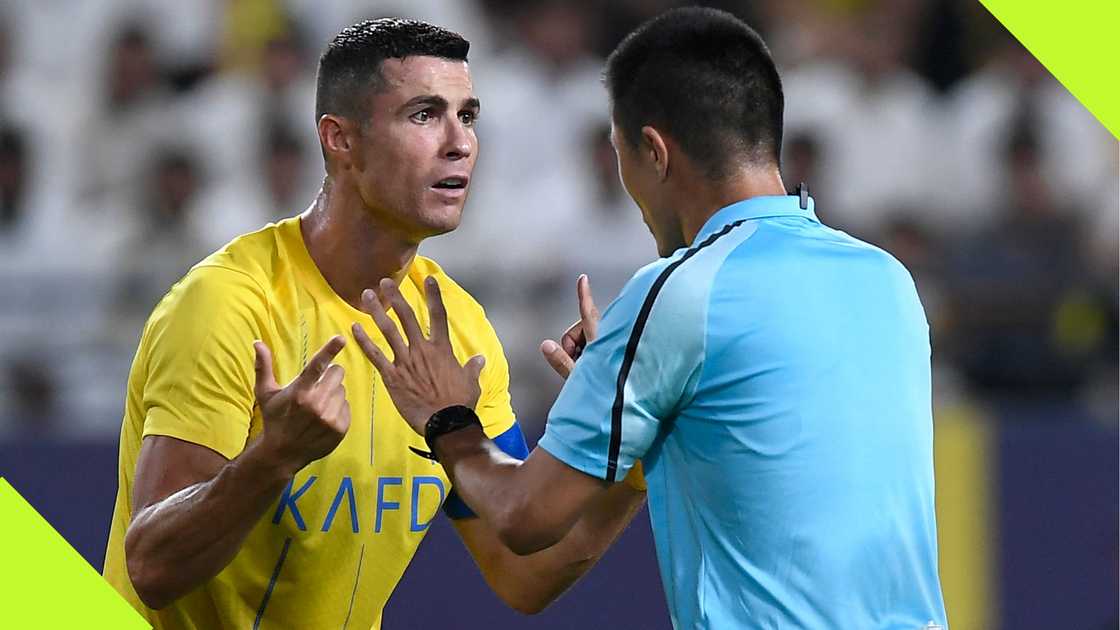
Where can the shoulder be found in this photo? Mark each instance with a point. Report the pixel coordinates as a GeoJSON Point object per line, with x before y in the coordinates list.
{"type": "Point", "coordinates": [256, 255]}
{"type": "Point", "coordinates": [240, 272]}
{"type": "Point", "coordinates": [681, 283]}
{"type": "Point", "coordinates": [879, 258]}
{"type": "Point", "coordinates": [213, 293]}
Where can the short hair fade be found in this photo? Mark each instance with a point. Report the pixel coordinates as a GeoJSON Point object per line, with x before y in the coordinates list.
{"type": "Point", "coordinates": [350, 67]}
{"type": "Point", "coordinates": [704, 77]}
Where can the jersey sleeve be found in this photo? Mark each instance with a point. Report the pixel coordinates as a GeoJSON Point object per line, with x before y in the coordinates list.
{"type": "Point", "coordinates": [494, 408]}
{"type": "Point", "coordinates": [632, 378]}
{"type": "Point", "coordinates": [200, 378]}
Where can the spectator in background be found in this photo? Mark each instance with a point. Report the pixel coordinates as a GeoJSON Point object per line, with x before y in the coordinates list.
{"type": "Point", "coordinates": [240, 104]}
{"type": "Point", "coordinates": [1012, 283]}
{"type": "Point", "coordinates": [164, 243]}
{"type": "Point", "coordinates": [284, 164]}
{"type": "Point", "coordinates": [13, 177]}
{"type": "Point", "coordinates": [29, 220]}
{"type": "Point", "coordinates": [287, 87]}
{"type": "Point", "coordinates": [129, 122]}
{"type": "Point", "coordinates": [248, 28]}
{"type": "Point", "coordinates": [32, 405]}
{"type": "Point", "coordinates": [1076, 155]}
{"type": "Point", "coordinates": [867, 108]}
{"type": "Point", "coordinates": [277, 188]}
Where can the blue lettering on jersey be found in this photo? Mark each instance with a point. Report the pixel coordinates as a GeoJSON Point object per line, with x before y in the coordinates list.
{"type": "Point", "coordinates": [414, 525]}
{"type": "Point", "coordinates": [288, 502]}
{"type": "Point", "coordinates": [346, 491]}
{"type": "Point", "coordinates": [382, 504]}
{"type": "Point", "coordinates": [345, 488]}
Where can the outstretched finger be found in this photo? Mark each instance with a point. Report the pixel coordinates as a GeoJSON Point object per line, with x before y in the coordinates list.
{"type": "Point", "coordinates": [557, 358]}
{"type": "Point", "coordinates": [370, 349]}
{"type": "Point", "coordinates": [437, 311]}
{"type": "Point", "coordinates": [372, 305]}
{"type": "Point", "coordinates": [588, 312]}
{"type": "Point", "coordinates": [404, 312]}
{"type": "Point", "coordinates": [318, 363]}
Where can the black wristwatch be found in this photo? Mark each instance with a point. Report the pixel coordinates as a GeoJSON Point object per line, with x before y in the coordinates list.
{"type": "Point", "coordinates": [444, 421]}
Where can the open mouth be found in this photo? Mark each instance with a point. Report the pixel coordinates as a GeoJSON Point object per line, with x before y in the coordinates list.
{"type": "Point", "coordinates": [451, 183]}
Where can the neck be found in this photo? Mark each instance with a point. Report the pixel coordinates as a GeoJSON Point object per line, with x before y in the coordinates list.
{"type": "Point", "coordinates": [351, 248]}
{"type": "Point", "coordinates": [700, 202]}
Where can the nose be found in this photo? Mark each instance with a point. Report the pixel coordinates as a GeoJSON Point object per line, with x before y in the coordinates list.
{"type": "Point", "coordinates": [460, 142]}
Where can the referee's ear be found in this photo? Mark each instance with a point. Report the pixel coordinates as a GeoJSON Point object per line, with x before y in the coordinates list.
{"type": "Point", "coordinates": [655, 151]}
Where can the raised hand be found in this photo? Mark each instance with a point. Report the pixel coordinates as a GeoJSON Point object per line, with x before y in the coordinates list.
{"type": "Point", "coordinates": [308, 418]}
{"type": "Point", "coordinates": [562, 356]}
{"type": "Point", "coordinates": [424, 375]}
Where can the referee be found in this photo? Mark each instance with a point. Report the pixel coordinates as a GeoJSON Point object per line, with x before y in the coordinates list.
{"type": "Point", "coordinates": [772, 374]}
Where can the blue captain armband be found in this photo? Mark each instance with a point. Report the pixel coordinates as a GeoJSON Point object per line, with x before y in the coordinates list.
{"type": "Point", "coordinates": [512, 443]}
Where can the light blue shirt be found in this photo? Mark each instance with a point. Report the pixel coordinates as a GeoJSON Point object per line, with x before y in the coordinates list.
{"type": "Point", "coordinates": [774, 379]}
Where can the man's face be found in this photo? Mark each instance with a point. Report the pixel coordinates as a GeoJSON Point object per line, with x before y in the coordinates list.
{"type": "Point", "coordinates": [639, 178]}
{"type": "Point", "coordinates": [417, 150]}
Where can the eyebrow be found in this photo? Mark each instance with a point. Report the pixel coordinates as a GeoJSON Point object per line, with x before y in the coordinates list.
{"type": "Point", "coordinates": [438, 101]}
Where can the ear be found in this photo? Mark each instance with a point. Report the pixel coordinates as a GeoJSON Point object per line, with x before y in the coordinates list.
{"type": "Point", "coordinates": [335, 138]}
{"type": "Point", "coordinates": [657, 150]}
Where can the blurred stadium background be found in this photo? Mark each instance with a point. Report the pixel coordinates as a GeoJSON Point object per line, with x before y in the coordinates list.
{"type": "Point", "coordinates": [136, 136]}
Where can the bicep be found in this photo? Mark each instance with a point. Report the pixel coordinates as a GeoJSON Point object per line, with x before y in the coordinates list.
{"type": "Point", "coordinates": [166, 465]}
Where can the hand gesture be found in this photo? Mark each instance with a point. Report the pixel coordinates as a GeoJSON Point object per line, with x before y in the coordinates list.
{"type": "Point", "coordinates": [424, 375]}
{"type": "Point", "coordinates": [309, 417]}
{"type": "Point", "coordinates": [562, 356]}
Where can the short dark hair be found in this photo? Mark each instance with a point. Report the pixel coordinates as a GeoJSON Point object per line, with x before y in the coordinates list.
{"type": "Point", "coordinates": [350, 67]}
{"type": "Point", "coordinates": [707, 79]}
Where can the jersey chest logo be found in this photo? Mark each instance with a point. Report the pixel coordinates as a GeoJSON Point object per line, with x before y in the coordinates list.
{"type": "Point", "coordinates": [376, 505]}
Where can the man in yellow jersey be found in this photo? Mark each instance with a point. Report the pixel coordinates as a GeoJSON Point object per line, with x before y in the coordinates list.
{"type": "Point", "coordinates": [248, 503]}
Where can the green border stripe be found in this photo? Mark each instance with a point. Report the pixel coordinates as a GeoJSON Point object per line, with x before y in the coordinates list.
{"type": "Point", "coordinates": [44, 583]}
{"type": "Point", "coordinates": [1078, 42]}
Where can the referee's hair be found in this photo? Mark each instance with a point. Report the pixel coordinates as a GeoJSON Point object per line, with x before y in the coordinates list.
{"type": "Point", "coordinates": [350, 67]}
{"type": "Point", "coordinates": [707, 79]}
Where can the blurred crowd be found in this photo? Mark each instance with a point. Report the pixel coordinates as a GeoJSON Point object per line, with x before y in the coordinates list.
{"type": "Point", "coordinates": [137, 136]}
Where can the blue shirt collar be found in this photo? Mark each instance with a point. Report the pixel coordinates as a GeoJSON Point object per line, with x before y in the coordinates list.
{"type": "Point", "coordinates": [755, 208]}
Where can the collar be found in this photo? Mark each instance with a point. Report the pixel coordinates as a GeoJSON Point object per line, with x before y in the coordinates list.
{"type": "Point", "coordinates": [756, 208]}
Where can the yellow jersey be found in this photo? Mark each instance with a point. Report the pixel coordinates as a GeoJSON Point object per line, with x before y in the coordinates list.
{"type": "Point", "coordinates": [332, 548]}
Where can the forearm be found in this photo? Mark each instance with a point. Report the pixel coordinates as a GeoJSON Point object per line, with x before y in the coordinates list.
{"type": "Point", "coordinates": [175, 545]}
{"type": "Point", "coordinates": [530, 583]}
{"type": "Point", "coordinates": [526, 503]}
{"type": "Point", "coordinates": [484, 477]}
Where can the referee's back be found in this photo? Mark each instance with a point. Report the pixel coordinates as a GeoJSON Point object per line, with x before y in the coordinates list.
{"type": "Point", "coordinates": [774, 379]}
{"type": "Point", "coordinates": [798, 476]}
